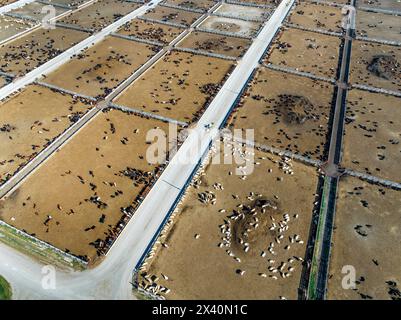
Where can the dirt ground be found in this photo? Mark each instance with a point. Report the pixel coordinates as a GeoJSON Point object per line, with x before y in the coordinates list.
{"type": "Point", "coordinates": [362, 56]}
{"type": "Point", "coordinates": [318, 16]}
{"type": "Point", "coordinates": [367, 237]}
{"type": "Point", "coordinates": [244, 11]}
{"type": "Point", "coordinates": [240, 27]}
{"type": "Point", "coordinates": [372, 134]}
{"type": "Point", "coordinates": [293, 117]}
{"type": "Point", "coordinates": [101, 14]}
{"type": "Point", "coordinates": [36, 48]}
{"type": "Point", "coordinates": [193, 4]}
{"type": "Point", "coordinates": [150, 31]}
{"type": "Point", "coordinates": [378, 26]}
{"type": "Point", "coordinates": [306, 51]}
{"type": "Point", "coordinates": [75, 199]}
{"type": "Point", "coordinates": [337, 1]}
{"type": "Point", "coordinates": [263, 2]}
{"type": "Point", "coordinates": [30, 121]}
{"type": "Point", "coordinates": [214, 43]}
{"type": "Point", "coordinates": [203, 257]}
{"type": "Point", "coordinates": [381, 4]}
{"type": "Point", "coordinates": [102, 67]}
{"type": "Point", "coordinates": [172, 15]}
{"type": "Point", "coordinates": [178, 86]}
{"type": "Point", "coordinates": [6, 2]}
{"type": "Point", "coordinates": [34, 10]}
{"type": "Point", "coordinates": [10, 27]}
{"type": "Point", "coordinates": [71, 3]}
{"type": "Point", "coordinates": [3, 82]}
{"type": "Point", "coordinates": [341, 2]}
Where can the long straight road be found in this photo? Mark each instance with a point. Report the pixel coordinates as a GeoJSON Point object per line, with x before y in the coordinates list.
{"type": "Point", "coordinates": [111, 279]}
{"type": "Point", "coordinates": [322, 250]}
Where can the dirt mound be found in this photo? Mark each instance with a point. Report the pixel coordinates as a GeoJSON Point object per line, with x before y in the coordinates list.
{"type": "Point", "coordinates": [385, 66]}
{"type": "Point", "coordinates": [295, 109]}
{"type": "Point", "coordinates": [251, 228]}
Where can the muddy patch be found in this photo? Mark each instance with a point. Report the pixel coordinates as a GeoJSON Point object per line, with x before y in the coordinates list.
{"type": "Point", "coordinates": [385, 67]}
{"type": "Point", "coordinates": [295, 109]}
{"type": "Point", "coordinates": [250, 229]}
